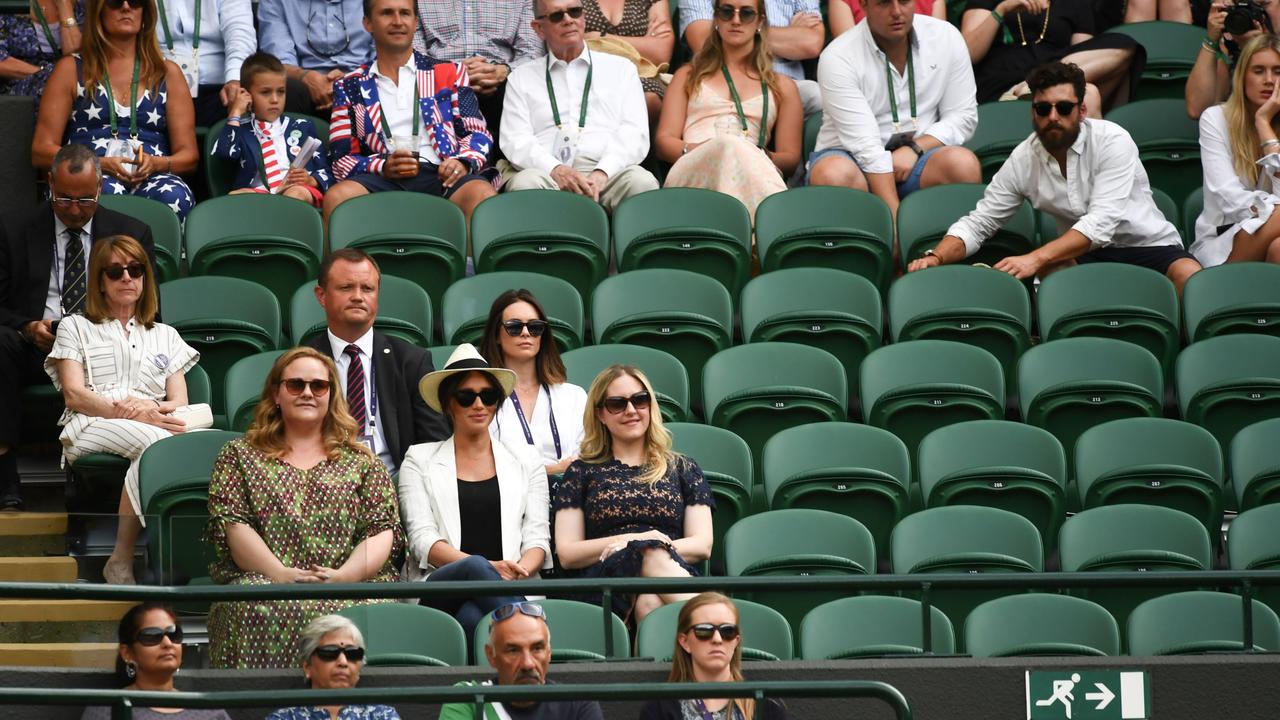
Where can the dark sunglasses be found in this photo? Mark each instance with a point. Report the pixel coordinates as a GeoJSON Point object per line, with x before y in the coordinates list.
{"type": "Point", "coordinates": [616, 404]}
{"type": "Point", "coordinates": [704, 631]}
{"type": "Point", "coordinates": [1064, 107]}
{"type": "Point", "coordinates": [152, 636]}
{"type": "Point", "coordinates": [117, 4]}
{"type": "Point", "coordinates": [555, 17]}
{"type": "Point", "coordinates": [488, 397]}
{"type": "Point", "coordinates": [515, 327]}
{"type": "Point", "coordinates": [115, 272]}
{"type": "Point", "coordinates": [295, 386]}
{"type": "Point", "coordinates": [524, 608]}
{"type": "Point", "coordinates": [329, 653]}
{"type": "Point", "coordinates": [726, 13]}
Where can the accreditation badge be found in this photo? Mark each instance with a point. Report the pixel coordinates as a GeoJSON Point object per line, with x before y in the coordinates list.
{"type": "Point", "coordinates": [565, 146]}
{"type": "Point", "coordinates": [188, 64]}
{"type": "Point", "coordinates": [126, 148]}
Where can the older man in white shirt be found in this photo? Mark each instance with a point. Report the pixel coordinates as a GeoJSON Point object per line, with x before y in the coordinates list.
{"type": "Point", "coordinates": [1087, 175]}
{"type": "Point", "coordinates": [898, 101]}
{"type": "Point", "coordinates": [574, 120]}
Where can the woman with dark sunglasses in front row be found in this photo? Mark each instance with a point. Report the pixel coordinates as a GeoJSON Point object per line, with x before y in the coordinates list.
{"type": "Point", "coordinates": [331, 650]}
{"type": "Point", "coordinates": [630, 506]}
{"type": "Point", "coordinates": [150, 655]}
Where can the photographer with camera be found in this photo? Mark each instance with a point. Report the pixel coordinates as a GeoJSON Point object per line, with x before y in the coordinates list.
{"type": "Point", "coordinates": [1230, 24]}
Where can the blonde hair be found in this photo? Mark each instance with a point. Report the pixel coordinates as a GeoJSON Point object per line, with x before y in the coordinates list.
{"type": "Point", "coordinates": [266, 434]}
{"type": "Point", "coordinates": [711, 57]}
{"type": "Point", "coordinates": [682, 661]}
{"type": "Point", "coordinates": [1242, 133]}
{"type": "Point", "coordinates": [597, 443]}
{"type": "Point", "coordinates": [95, 300]}
{"type": "Point", "coordinates": [94, 47]}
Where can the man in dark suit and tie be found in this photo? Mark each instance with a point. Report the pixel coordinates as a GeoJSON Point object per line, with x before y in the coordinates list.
{"type": "Point", "coordinates": [383, 394]}
{"type": "Point", "coordinates": [43, 256]}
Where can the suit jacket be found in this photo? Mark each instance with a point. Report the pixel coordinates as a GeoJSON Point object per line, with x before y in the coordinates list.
{"type": "Point", "coordinates": [26, 257]}
{"type": "Point", "coordinates": [397, 368]}
{"type": "Point", "coordinates": [240, 145]}
{"type": "Point", "coordinates": [428, 487]}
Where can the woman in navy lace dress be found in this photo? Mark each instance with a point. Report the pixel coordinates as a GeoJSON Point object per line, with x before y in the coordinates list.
{"type": "Point", "coordinates": [629, 506]}
{"type": "Point", "coordinates": [30, 44]}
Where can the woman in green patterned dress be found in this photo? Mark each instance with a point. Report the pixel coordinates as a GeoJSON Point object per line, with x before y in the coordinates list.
{"type": "Point", "coordinates": [298, 499]}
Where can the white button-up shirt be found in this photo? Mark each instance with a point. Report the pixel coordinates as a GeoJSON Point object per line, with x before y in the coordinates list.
{"type": "Point", "coordinates": [397, 98]}
{"type": "Point", "coordinates": [1105, 196]}
{"type": "Point", "coordinates": [53, 296]}
{"type": "Point", "coordinates": [617, 130]}
{"type": "Point", "coordinates": [343, 361]}
{"type": "Point", "coordinates": [1228, 201]}
{"type": "Point", "coordinates": [855, 97]}
{"type": "Point", "coordinates": [226, 35]}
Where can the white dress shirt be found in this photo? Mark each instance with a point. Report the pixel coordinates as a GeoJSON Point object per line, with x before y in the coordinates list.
{"type": "Point", "coordinates": [1227, 199]}
{"type": "Point", "coordinates": [397, 98]}
{"type": "Point", "coordinates": [343, 361]}
{"type": "Point", "coordinates": [855, 98]}
{"type": "Point", "coordinates": [617, 130]}
{"type": "Point", "coordinates": [53, 297]}
{"type": "Point", "coordinates": [566, 401]}
{"type": "Point", "coordinates": [1105, 196]}
{"type": "Point", "coordinates": [227, 36]}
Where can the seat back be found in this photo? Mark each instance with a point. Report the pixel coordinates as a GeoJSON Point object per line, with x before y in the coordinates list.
{"type": "Point", "coordinates": [243, 387]}
{"type": "Point", "coordinates": [166, 229]}
{"type": "Point", "coordinates": [725, 460]}
{"type": "Point", "coordinates": [405, 634]}
{"type": "Point", "coordinates": [578, 629]}
{"type": "Point", "coordinates": [1255, 464]}
{"type": "Point", "coordinates": [1232, 298]}
{"type": "Point", "coordinates": [665, 372]}
{"type": "Point", "coordinates": [830, 227]}
{"type": "Point", "coordinates": [1001, 127]}
{"type": "Point", "coordinates": [1168, 142]}
{"type": "Point", "coordinates": [1035, 624]}
{"type": "Point", "coordinates": [873, 626]}
{"type": "Point", "coordinates": [465, 308]}
{"type": "Point", "coordinates": [1252, 544]}
{"type": "Point", "coordinates": [1199, 621]}
{"type": "Point", "coordinates": [1229, 382]}
{"type": "Point", "coordinates": [404, 312]}
{"type": "Point", "coordinates": [765, 633]}
{"type": "Point", "coordinates": [1171, 53]}
{"type": "Point", "coordinates": [925, 216]}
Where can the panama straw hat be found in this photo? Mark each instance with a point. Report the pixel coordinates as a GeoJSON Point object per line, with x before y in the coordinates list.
{"type": "Point", "coordinates": [464, 359]}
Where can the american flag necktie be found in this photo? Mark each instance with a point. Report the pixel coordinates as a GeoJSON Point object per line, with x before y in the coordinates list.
{"type": "Point", "coordinates": [355, 388]}
{"type": "Point", "coordinates": [272, 169]}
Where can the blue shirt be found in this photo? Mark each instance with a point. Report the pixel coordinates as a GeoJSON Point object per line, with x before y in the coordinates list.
{"type": "Point", "coordinates": [315, 34]}
{"type": "Point", "coordinates": [779, 13]}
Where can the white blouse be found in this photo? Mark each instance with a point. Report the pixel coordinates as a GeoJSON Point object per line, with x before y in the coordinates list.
{"type": "Point", "coordinates": [1227, 200]}
{"type": "Point", "coordinates": [568, 403]}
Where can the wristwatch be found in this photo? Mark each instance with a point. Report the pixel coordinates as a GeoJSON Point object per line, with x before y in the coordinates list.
{"type": "Point", "coordinates": [915, 148]}
{"type": "Point", "coordinates": [69, 22]}
{"type": "Point", "coordinates": [934, 255]}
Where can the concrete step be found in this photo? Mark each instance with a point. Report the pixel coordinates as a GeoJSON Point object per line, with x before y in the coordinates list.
{"type": "Point", "coordinates": [38, 569]}
{"type": "Point", "coordinates": [60, 621]}
{"type": "Point", "coordinates": [71, 654]}
{"type": "Point", "coordinates": [25, 534]}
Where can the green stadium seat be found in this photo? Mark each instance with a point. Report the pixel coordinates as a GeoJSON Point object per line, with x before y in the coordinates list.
{"type": "Point", "coordinates": [830, 309]}
{"type": "Point", "coordinates": [198, 387]}
{"type": "Point", "coordinates": [1153, 461]}
{"type": "Point", "coordinates": [925, 216]}
{"type": "Point", "coordinates": [543, 231]}
{"type": "Point", "coordinates": [1000, 464]}
{"type": "Point", "coordinates": [872, 626]}
{"type": "Point", "coordinates": [812, 125]}
{"type": "Point", "coordinates": [684, 313]}
{"type": "Point", "coordinates": [440, 354]}
{"type": "Point", "coordinates": [798, 542]}
{"type": "Point", "coordinates": [829, 227]}
{"type": "Point", "coordinates": [243, 388]}
{"type": "Point", "coordinates": [725, 460]}
{"type": "Point", "coordinates": [1192, 206]}
{"type": "Point", "coordinates": [576, 627]}
{"type": "Point", "coordinates": [404, 312]}
{"type": "Point", "coordinates": [465, 308]}
{"type": "Point", "coordinates": [1168, 142]}
{"type": "Point", "coordinates": [166, 230]}
{"type": "Point", "coordinates": [766, 635]}
{"type": "Point", "coordinates": [406, 634]}
{"type": "Point", "coordinates": [1255, 464]}
{"type": "Point", "coordinates": [1253, 544]}
{"type": "Point", "coordinates": [1232, 298]}
{"type": "Point", "coordinates": [1112, 300]}
{"type": "Point", "coordinates": [665, 372]}
{"type": "Point", "coordinates": [913, 388]}
{"type": "Point", "coordinates": [420, 238]}
{"type": "Point", "coordinates": [691, 229]}
{"type": "Point", "coordinates": [1001, 127]}
{"type": "Point", "coordinates": [975, 306]}
{"type": "Point", "coordinates": [1040, 624]}
{"type": "Point", "coordinates": [1169, 209]}
{"type": "Point", "coordinates": [1197, 622]}
{"type": "Point", "coordinates": [220, 173]}
{"type": "Point", "coordinates": [856, 470]}
{"type": "Point", "coordinates": [271, 240]}
{"type": "Point", "coordinates": [1229, 382]}
{"type": "Point", "coordinates": [1171, 52]}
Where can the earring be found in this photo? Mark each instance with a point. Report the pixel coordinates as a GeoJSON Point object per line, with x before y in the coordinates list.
{"type": "Point", "coordinates": [715, 28]}
{"type": "Point", "coordinates": [130, 670]}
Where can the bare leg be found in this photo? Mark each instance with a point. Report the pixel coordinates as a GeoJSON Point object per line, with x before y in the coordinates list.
{"type": "Point", "coordinates": [1180, 271]}
{"type": "Point", "coordinates": [470, 195]}
{"type": "Point", "coordinates": [1093, 101]}
{"type": "Point", "coordinates": [297, 192]}
{"type": "Point", "coordinates": [1140, 11]}
{"type": "Point", "coordinates": [839, 171]}
{"type": "Point", "coordinates": [646, 604]}
{"type": "Point", "coordinates": [1246, 247]}
{"type": "Point", "coordinates": [658, 563]}
{"type": "Point", "coordinates": [339, 194]}
{"type": "Point", "coordinates": [1108, 69]}
{"type": "Point", "coordinates": [119, 568]}
{"type": "Point", "coordinates": [1175, 11]}
{"type": "Point", "coordinates": [952, 164]}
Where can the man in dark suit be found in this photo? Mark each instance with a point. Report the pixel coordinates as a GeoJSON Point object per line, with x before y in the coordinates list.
{"type": "Point", "coordinates": [384, 398]}
{"type": "Point", "coordinates": [43, 256]}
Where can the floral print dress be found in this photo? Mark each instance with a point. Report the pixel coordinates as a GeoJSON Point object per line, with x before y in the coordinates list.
{"type": "Point", "coordinates": [305, 517]}
{"type": "Point", "coordinates": [22, 37]}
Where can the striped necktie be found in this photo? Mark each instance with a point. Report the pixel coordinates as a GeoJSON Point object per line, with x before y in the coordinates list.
{"type": "Point", "coordinates": [272, 169]}
{"type": "Point", "coordinates": [355, 388]}
{"type": "Point", "coordinates": [73, 274]}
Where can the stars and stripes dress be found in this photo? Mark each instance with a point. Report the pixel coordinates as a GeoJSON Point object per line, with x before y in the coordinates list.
{"type": "Point", "coordinates": [117, 365]}
{"type": "Point", "coordinates": [90, 124]}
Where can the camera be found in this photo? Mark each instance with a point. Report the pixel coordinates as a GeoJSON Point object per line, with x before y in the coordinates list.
{"type": "Point", "coordinates": [1242, 15]}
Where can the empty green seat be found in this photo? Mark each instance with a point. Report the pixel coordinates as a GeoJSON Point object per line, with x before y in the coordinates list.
{"type": "Point", "coordinates": [925, 216]}
{"type": "Point", "coordinates": [1254, 544]}
{"type": "Point", "coordinates": [665, 372]}
{"type": "Point", "coordinates": [1168, 142]}
{"type": "Point", "coordinates": [1255, 464]}
{"type": "Point", "coordinates": [1001, 127]}
{"type": "Point", "coordinates": [766, 635]}
{"type": "Point", "coordinates": [465, 308]}
{"type": "Point", "coordinates": [1229, 382]}
{"type": "Point", "coordinates": [405, 634]}
{"type": "Point", "coordinates": [577, 629]}
{"type": "Point", "coordinates": [166, 230]}
{"type": "Point", "coordinates": [725, 460]}
{"type": "Point", "coordinates": [1036, 624]}
{"type": "Point", "coordinates": [873, 626]}
{"type": "Point", "coordinates": [1192, 206]}
{"type": "Point", "coordinates": [1171, 53]}
{"type": "Point", "coordinates": [243, 388]}
{"type": "Point", "coordinates": [830, 227]}
{"type": "Point", "coordinates": [1169, 209]}
{"type": "Point", "coordinates": [1199, 621]}
{"type": "Point", "coordinates": [404, 312]}
{"type": "Point", "coordinates": [1232, 298]}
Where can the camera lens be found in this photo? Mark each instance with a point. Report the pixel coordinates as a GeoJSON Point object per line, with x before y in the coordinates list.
{"type": "Point", "coordinates": [1238, 22]}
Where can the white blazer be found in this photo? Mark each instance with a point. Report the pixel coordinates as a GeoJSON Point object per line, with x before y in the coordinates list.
{"type": "Point", "coordinates": [428, 488]}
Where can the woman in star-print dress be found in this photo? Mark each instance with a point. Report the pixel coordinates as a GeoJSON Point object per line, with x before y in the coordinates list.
{"type": "Point", "coordinates": [151, 139]}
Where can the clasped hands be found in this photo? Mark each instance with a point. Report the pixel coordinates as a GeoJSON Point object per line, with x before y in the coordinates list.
{"type": "Point", "coordinates": [147, 411]}
{"type": "Point", "coordinates": [623, 540]}
{"type": "Point", "coordinates": [590, 185]}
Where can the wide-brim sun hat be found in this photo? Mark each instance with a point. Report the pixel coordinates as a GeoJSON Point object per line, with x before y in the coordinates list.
{"type": "Point", "coordinates": [464, 359]}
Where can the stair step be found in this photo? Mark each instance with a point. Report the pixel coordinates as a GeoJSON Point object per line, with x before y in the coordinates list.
{"type": "Point", "coordinates": [72, 654]}
{"type": "Point", "coordinates": [33, 533]}
{"type": "Point", "coordinates": [38, 569]}
{"type": "Point", "coordinates": [59, 621]}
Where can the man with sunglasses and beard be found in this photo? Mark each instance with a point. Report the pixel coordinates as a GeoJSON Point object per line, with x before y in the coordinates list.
{"type": "Point", "coordinates": [379, 373]}
{"type": "Point", "coordinates": [1085, 173]}
{"type": "Point", "coordinates": [43, 257]}
{"type": "Point", "coordinates": [519, 648]}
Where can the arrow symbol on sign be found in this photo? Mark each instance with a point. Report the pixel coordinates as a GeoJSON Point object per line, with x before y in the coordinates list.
{"type": "Point", "coordinates": [1106, 696]}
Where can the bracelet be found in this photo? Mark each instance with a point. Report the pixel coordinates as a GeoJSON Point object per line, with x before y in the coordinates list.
{"type": "Point", "coordinates": [69, 22]}
{"type": "Point", "coordinates": [1268, 143]}
{"type": "Point", "coordinates": [999, 18]}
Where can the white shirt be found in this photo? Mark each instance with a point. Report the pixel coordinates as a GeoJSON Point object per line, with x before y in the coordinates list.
{"type": "Point", "coordinates": [53, 297]}
{"type": "Point", "coordinates": [227, 36]}
{"type": "Point", "coordinates": [343, 361]}
{"type": "Point", "coordinates": [397, 107]}
{"type": "Point", "coordinates": [855, 97]}
{"type": "Point", "coordinates": [617, 130]}
{"type": "Point", "coordinates": [566, 401]}
{"type": "Point", "coordinates": [1105, 196]}
{"type": "Point", "coordinates": [1227, 199]}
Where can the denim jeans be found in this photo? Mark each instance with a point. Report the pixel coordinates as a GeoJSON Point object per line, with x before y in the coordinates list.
{"type": "Point", "coordinates": [468, 611]}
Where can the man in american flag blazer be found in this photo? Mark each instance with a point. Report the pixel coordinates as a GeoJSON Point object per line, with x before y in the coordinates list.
{"type": "Point", "coordinates": [406, 122]}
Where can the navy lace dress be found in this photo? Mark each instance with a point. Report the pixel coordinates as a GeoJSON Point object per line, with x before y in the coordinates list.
{"type": "Point", "coordinates": [22, 37]}
{"type": "Point", "coordinates": [614, 502]}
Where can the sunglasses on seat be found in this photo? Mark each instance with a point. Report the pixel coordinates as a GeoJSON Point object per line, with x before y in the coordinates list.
{"type": "Point", "coordinates": [152, 636]}
{"type": "Point", "coordinates": [1064, 107]}
{"type": "Point", "coordinates": [488, 397]}
{"type": "Point", "coordinates": [115, 272]}
{"type": "Point", "coordinates": [295, 386]}
{"type": "Point", "coordinates": [726, 13]}
{"type": "Point", "coordinates": [704, 631]}
{"type": "Point", "coordinates": [557, 16]}
{"type": "Point", "coordinates": [617, 403]}
{"type": "Point", "coordinates": [329, 653]}
{"type": "Point", "coordinates": [515, 327]}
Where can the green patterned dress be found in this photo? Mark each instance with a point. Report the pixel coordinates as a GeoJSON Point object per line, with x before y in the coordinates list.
{"type": "Point", "coordinates": [306, 517]}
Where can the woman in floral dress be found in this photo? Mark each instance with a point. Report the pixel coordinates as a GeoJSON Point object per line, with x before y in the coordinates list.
{"type": "Point", "coordinates": [30, 44]}
{"type": "Point", "coordinates": [296, 500]}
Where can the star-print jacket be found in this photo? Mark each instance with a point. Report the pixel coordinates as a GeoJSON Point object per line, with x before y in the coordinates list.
{"type": "Point", "coordinates": [240, 145]}
{"type": "Point", "coordinates": [450, 117]}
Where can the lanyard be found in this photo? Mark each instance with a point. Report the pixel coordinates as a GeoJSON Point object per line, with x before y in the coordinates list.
{"type": "Point", "coordinates": [524, 424]}
{"type": "Point", "coordinates": [168, 37]}
{"type": "Point", "coordinates": [911, 86]}
{"type": "Point", "coordinates": [133, 104]}
{"type": "Point", "coordinates": [737, 104]}
{"type": "Point", "coordinates": [417, 110]}
{"type": "Point", "coordinates": [586, 92]}
{"type": "Point", "coordinates": [39, 13]}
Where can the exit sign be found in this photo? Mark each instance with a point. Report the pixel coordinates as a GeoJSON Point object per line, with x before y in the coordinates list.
{"type": "Point", "coordinates": [1083, 695]}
